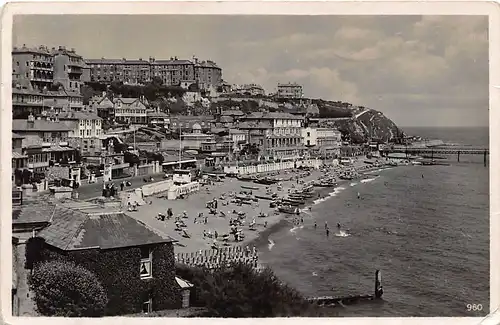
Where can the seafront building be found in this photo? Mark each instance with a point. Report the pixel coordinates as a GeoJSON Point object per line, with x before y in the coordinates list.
{"type": "Point", "coordinates": [278, 135]}
{"type": "Point", "coordinates": [322, 141]}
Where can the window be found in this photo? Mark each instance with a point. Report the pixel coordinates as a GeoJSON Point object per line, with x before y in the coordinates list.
{"type": "Point", "coordinates": [147, 306]}
{"type": "Point", "coordinates": [146, 266]}
{"type": "Point", "coordinates": [308, 134]}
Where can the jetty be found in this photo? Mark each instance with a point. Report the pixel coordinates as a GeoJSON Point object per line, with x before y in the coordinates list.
{"type": "Point", "coordinates": [438, 151]}
{"type": "Point", "coordinates": [353, 299]}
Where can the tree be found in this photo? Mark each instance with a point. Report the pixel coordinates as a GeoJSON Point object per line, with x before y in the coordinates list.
{"type": "Point", "coordinates": [68, 290]}
{"type": "Point", "coordinates": [242, 291]}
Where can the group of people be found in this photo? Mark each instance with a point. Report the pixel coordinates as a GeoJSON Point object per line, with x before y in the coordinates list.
{"type": "Point", "coordinates": [327, 228]}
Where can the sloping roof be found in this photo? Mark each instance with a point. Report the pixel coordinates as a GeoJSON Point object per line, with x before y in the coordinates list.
{"type": "Point", "coordinates": [184, 284]}
{"type": "Point", "coordinates": [30, 213]}
{"type": "Point", "coordinates": [38, 125]}
{"type": "Point", "coordinates": [73, 229]}
{"type": "Point", "coordinates": [230, 112]}
{"type": "Point", "coordinates": [78, 115]}
{"type": "Point", "coordinates": [17, 155]}
{"type": "Point", "coordinates": [273, 115]}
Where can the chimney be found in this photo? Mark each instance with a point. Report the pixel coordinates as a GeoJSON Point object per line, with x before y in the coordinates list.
{"type": "Point", "coordinates": [53, 49]}
{"type": "Point", "coordinates": [60, 48]}
{"type": "Point", "coordinates": [171, 59]}
{"type": "Point", "coordinates": [140, 59]}
{"type": "Point", "coordinates": [175, 58]}
{"type": "Point", "coordinates": [72, 50]}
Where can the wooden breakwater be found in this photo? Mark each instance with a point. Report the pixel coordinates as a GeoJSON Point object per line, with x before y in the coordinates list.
{"type": "Point", "coordinates": [225, 256]}
{"type": "Point", "coordinates": [353, 299]}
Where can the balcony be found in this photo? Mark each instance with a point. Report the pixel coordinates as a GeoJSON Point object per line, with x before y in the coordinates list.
{"type": "Point", "coordinates": [75, 70]}
{"type": "Point", "coordinates": [40, 164]}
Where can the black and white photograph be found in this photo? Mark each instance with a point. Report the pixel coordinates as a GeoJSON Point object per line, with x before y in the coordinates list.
{"type": "Point", "coordinates": [247, 165]}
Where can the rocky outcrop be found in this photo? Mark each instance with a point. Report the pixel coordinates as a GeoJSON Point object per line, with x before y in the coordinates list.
{"type": "Point", "coordinates": [368, 125]}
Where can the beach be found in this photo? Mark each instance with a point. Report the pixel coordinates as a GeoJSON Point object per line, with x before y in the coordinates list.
{"type": "Point", "coordinates": [201, 229]}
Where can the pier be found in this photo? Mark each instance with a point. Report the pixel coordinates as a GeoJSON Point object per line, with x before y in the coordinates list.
{"type": "Point", "coordinates": [353, 299]}
{"type": "Point", "coordinates": [440, 151]}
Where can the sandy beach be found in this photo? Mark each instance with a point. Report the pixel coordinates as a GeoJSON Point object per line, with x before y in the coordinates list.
{"type": "Point", "coordinates": [196, 203]}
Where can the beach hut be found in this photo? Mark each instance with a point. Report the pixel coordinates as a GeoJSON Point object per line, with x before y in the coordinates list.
{"type": "Point", "coordinates": [185, 287]}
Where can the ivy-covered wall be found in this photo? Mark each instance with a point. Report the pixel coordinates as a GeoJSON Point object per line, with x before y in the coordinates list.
{"type": "Point", "coordinates": [118, 271]}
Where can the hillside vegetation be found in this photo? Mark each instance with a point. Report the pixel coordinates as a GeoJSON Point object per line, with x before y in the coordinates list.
{"type": "Point", "coordinates": [346, 117]}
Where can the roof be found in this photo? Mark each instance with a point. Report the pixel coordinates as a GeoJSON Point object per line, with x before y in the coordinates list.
{"type": "Point", "coordinates": [32, 213]}
{"type": "Point", "coordinates": [39, 125]}
{"type": "Point", "coordinates": [72, 229]}
{"type": "Point", "coordinates": [78, 115]}
{"type": "Point", "coordinates": [254, 125]}
{"type": "Point", "coordinates": [273, 115]}
{"type": "Point", "coordinates": [226, 119]}
{"type": "Point", "coordinates": [230, 112]}
{"type": "Point", "coordinates": [157, 114]}
{"type": "Point", "coordinates": [38, 50]}
{"type": "Point", "coordinates": [172, 62]}
{"type": "Point", "coordinates": [184, 284]}
{"type": "Point", "coordinates": [17, 155]}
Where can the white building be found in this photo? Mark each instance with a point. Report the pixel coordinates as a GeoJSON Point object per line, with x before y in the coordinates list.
{"type": "Point", "coordinates": [289, 90]}
{"type": "Point", "coordinates": [326, 141]}
{"type": "Point", "coordinates": [130, 110]}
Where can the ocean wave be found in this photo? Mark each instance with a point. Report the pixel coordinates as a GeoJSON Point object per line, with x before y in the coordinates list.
{"type": "Point", "coordinates": [342, 233]}
{"type": "Point", "coordinates": [294, 229]}
{"type": "Point", "coordinates": [369, 179]}
{"type": "Point", "coordinates": [271, 243]}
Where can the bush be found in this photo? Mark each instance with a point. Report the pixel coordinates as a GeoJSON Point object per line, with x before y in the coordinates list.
{"type": "Point", "coordinates": [241, 291]}
{"type": "Point", "coordinates": [65, 289]}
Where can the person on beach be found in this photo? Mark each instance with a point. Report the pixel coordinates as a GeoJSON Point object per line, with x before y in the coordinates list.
{"type": "Point", "coordinates": [302, 220]}
{"type": "Point", "coordinates": [327, 232]}
{"type": "Point", "coordinates": [359, 195]}
{"type": "Point", "coordinates": [315, 225]}
{"type": "Point", "coordinates": [206, 219]}
{"type": "Point", "coordinates": [122, 185]}
{"type": "Point", "coordinates": [265, 224]}
{"type": "Point", "coordinates": [169, 213]}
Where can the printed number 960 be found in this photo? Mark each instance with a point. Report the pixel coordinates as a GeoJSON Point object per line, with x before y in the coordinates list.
{"type": "Point", "coordinates": [474, 307]}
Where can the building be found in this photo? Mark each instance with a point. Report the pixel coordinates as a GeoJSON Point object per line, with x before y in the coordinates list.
{"type": "Point", "coordinates": [322, 141]}
{"type": "Point", "coordinates": [33, 67]}
{"type": "Point", "coordinates": [38, 131]}
{"type": "Point", "coordinates": [86, 130]}
{"type": "Point", "coordinates": [19, 159]}
{"type": "Point", "coordinates": [41, 67]}
{"type": "Point", "coordinates": [130, 110]}
{"type": "Point", "coordinates": [279, 134]}
{"type": "Point", "coordinates": [68, 69]}
{"type": "Point", "coordinates": [134, 264]}
{"type": "Point", "coordinates": [289, 90]}
{"type": "Point", "coordinates": [27, 101]}
{"type": "Point", "coordinates": [132, 72]}
{"type": "Point", "coordinates": [207, 74]}
{"type": "Point", "coordinates": [172, 72]}
{"type": "Point", "coordinates": [157, 118]}
{"type": "Point", "coordinates": [186, 123]}
{"type": "Point", "coordinates": [251, 89]}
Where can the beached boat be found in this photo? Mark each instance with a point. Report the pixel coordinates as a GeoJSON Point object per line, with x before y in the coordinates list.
{"type": "Point", "coordinates": [292, 200]}
{"type": "Point", "coordinates": [288, 210]}
{"type": "Point", "coordinates": [265, 181]}
{"type": "Point", "coordinates": [246, 178]}
{"type": "Point", "coordinates": [250, 187]}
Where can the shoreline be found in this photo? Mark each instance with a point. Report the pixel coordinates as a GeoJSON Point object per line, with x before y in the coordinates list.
{"type": "Point", "coordinates": [200, 226]}
{"type": "Point", "coordinates": [324, 194]}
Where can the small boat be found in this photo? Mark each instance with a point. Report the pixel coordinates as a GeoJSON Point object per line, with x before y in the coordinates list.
{"type": "Point", "coordinates": [291, 200]}
{"type": "Point", "coordinates": [288, 210]}
{"type": "Point", "coordinates": [249, 187]}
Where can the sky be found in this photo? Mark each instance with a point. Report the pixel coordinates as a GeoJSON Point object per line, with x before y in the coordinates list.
{"type": "Point", "coordinates": [422, 71]}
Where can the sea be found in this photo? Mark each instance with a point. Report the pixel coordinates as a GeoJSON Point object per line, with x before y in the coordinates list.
{"type": "Point", "coordinates": [426, 228]}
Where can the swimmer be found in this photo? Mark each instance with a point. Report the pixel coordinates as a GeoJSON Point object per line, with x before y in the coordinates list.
{"type": "Point", "coordinates": [359, 195]}
{"type": "Point", "coordinates": [338, 226]}
{"type": "Point", "coordinates": [327, 232]}
{"type": "Point", "coordinates": [315, 225]}
{"type": "Point", "coordinates": [326, 225]}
